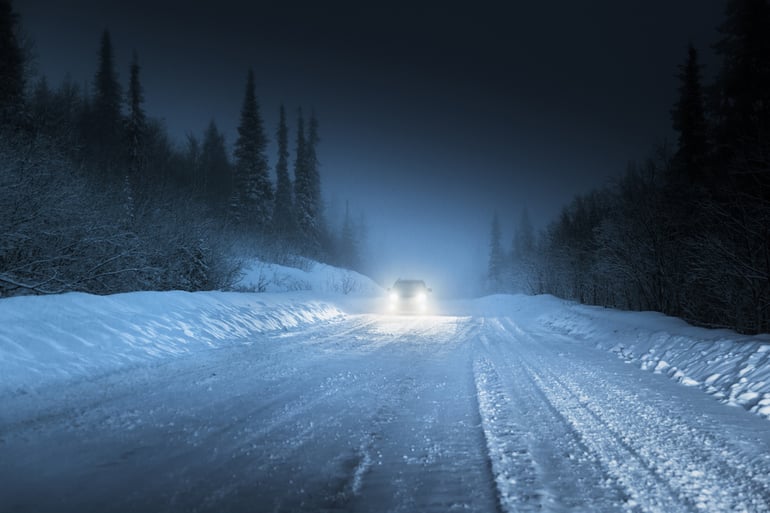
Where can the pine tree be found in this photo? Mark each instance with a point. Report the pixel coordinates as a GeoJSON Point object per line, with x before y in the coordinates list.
{"type": "Point", "coordinates": [522, 266]}
{"type": "Point", "coordinates": [283, 215]}
{"type": "Point", "coordinates": [495, 269]}
{"type": "Point", "coordinates": [136, 123]}
{"type": "Point", "coordinates": [348, 251]}
{"type": "Point", "coordinates": [216, 174]}
{"type": "Point", "coordinates": [314, 176]}
{"type": "Point", "coordinates": [307, 190]}
{"type": "Point", "coordinates": [689, 119]}
{"type": "Point", "coordinates": [307, 228]}
{"type": "Point", "coordinates": [253, 194]}
{"type": "Point", "coordinates": [104, 133]}
{"type": "Point", "coordinates": [524, 240]}
{"type": "Point", "coordinates": [11, 67]}
{"type": "Point", "coordinates": [742, 99]}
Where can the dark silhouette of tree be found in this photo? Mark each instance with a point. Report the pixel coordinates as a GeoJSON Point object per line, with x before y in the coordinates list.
{"type": "Point", "coordinates": [11, 67]}
{"type": "Point", "coordinates": [304, 207]}
{"type": "Point", "coordinates": [314, 175]}
{"type": "Point", "coordinates": [253, 193]}
{"type": "Point", "coordinates": [135, 134]}
{"type": "Point", "coordinates": [742, 90]}
{"type": "Point", "coordinates": [689, 120]}
{"type": "Point", "coordinates": [348, 251]}
{"type": "Point", "coordinates": [215, 177]}
{"type": "Point", "coordinates": [283, 214]}
{"type": "Point", "coordinates": [307, 191]}
{"type": "Point", "coordinates": [495, 267]}
{"type": "Point", "coordinates": [136, 122]}
{"type": "Point", "coordinates": [523, 255]}
{"type": "Point", "coordinates": [104, 128]}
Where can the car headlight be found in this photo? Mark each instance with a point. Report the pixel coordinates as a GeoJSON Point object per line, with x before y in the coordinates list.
{"type": "Point", "coordinates": [394, 296]}
{"type": "Point", "coordinates": [422, 297]}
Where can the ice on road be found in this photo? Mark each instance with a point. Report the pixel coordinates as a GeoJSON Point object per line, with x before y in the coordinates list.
{"type": "Point", "coordinates": [467, 412]}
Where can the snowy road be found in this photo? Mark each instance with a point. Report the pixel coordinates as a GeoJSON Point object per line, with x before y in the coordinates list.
{"type": "Point", "coordinates": [383, 413]}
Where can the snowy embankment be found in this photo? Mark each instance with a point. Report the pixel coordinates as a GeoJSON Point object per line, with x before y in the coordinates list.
{"type": "Point", "coordinates": [733, 368]}
{"type": "Point", "coordinates": [71, 336]}
{"type": "Point", "coordinates": [310, 275]}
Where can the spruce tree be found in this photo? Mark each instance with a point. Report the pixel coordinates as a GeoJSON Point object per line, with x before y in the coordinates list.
{"type": "Point", "coordinates": [11, 68]}
{"type": "Point", "coordinates": [524, 240]}
{"type": "Point", "coordinates": [253, 194]}
{"type": "Point", "coordinates": [307, 229]}
{"type": "Point", "coordinates": [283, 214]}
{"type": "Point", "coordinates": [307, 191]}
{"type": "Point", "coordinates": [495, 268]}
{"type": "Point", "coordinates": [348, 251]}
{"type": "Point", "coordinates": [136, 121]}
{"type": "Point", "coordinates": [314, 176]}
{"type": "Point", "coordinates": [216, 177]}
{"type": "Point", "coordinates": [689, 119]}
{"type": "Point", "coordinates": [104, 129]}
{"type": "Point", "coordinates": [742, 102]}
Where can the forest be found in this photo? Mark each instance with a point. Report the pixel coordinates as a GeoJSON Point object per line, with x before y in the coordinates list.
{"type": "Point", "coordinates": [686, 230]}
{"type": "Point", "coordinates": [97, 198]}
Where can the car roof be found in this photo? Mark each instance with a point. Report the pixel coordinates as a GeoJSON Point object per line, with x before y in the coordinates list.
{"type": "Point", "coordinates": [409, 282]}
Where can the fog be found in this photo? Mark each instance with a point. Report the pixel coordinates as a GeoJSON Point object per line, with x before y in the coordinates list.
{"type": "Point", "coordinates": [429, 121]}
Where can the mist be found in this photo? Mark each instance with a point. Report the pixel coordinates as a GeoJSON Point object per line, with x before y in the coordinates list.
{"type": "Point", "coordinates": [429, 122]}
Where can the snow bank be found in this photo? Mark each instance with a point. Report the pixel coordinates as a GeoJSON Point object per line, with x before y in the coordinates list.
{"type": "Point", "coordinates": [266, 277]}
{"type": "Point", "coordinates": [43, 339]}
{"type": "Point", "coordinates": [733, 368]}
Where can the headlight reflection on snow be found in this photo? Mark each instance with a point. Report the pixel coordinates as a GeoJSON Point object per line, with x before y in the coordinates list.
{"type": "Point", "coordinates": [433, 328]}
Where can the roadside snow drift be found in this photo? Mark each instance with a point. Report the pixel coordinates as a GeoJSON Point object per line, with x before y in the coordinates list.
{"type": "Point", "coordinates": [78, 335]}
{"type": "Point", "coordinates": [321, 278]}
{"type": "Point", "coordinates": [733, 368]}
{"type": "Point", "coordinates": [43, 339]}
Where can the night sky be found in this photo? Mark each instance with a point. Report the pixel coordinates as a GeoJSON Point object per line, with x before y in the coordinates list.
{"type": "Point", "coordinates": [430, 117]}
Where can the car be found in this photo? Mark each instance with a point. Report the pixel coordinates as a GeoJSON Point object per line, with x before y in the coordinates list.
{"type": "Point", "coordinates": [409, 296]}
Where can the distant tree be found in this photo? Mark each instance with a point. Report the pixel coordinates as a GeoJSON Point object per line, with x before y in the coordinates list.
{"type": "Point", "coordinates": [495, 268]}
{"type": "Point", "coordinates": [523, 255]}
{"type": "Point", "coordinates": [11, 67]}
{"type": "Point", "coordinates": [104, 127]}
{"type": "Point", "coordinates": [216, 175]}
{"type": "Point", "coordinates": [689, 120]}
{"type": "Point", "coordinates": [253, 193]}
{"type": "Point", "coordinates": [283, 214]}
{"type": "Point", "coordinates": [741, 100]}
{"type": "Point", "coordinates": [349, 250]}
{"type": "Point", "coordinates": [137, 120]}
{"type": "Point", "coordinates": [135, 134]}
{"type": "Point", "coordinates": [524, 240]}
{"type": "Point", "coordinates": [308, 229]}
{"type": "Point", "coordinates": [41, 106]}
{"type": "Point", "coordinates": [314, 175]}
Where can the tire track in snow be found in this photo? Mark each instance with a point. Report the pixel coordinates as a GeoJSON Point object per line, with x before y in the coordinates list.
{"type": "Point", "coordinates": [649, 451]}
{"type": "Point", "coordinates": [513, 468]}
{"type": "Point", "coordinates": [541, 464]}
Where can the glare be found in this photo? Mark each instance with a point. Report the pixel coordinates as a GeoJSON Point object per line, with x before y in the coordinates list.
{"type": "Point", "coordinates": [422, 297]}
{"type": "Point", "coordinates": [394, 296]}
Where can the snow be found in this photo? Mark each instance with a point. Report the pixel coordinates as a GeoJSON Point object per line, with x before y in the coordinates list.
{"type": "Point", "coordinates": [54, 338]}
{"type": "Point", "coordinates": [733, 368]}
{"type": "Point", "coordinates": [79, 335]}
{"type": "Point", "coordinates": [310, 275]}
{"type": "Point", "coordinates": [308, 398]}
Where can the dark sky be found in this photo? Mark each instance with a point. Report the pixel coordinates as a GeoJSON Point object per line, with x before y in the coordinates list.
{"type": "Point", "coordinates": [432, 116]}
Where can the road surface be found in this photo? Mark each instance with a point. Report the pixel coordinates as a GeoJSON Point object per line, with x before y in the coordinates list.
{"type": "Point", "coordinates": [384, 413]}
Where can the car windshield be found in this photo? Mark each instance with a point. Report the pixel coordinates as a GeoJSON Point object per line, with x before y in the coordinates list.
{"type": "Point", "coordinates": [409, 287]}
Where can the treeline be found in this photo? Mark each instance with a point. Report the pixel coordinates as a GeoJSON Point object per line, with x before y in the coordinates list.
{"type": "Point", "coordinates": [686, 231]}
{"type": "Point", "coordinates": [95, 197]}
